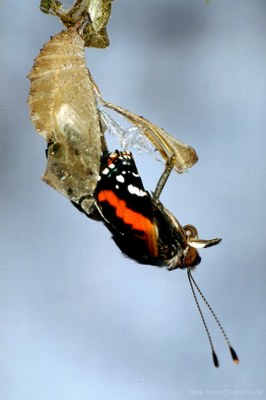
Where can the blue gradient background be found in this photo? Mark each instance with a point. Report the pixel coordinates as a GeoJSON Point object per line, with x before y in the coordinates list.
{"type": "Point", "coordinates": [78, 321]}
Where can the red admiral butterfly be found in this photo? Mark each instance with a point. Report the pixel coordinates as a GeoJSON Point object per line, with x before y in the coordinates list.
{"type": "Point", "coordinates": [144, 229]}
{"type": "Point", "coordinates": [141, 226]}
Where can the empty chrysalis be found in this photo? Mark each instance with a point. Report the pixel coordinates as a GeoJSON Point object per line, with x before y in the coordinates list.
{"type": "Point", "coordinates": [63, 109]}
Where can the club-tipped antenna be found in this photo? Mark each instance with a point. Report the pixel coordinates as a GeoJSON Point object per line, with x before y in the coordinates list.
{"type": "Point", "coordinates": [214, 356]}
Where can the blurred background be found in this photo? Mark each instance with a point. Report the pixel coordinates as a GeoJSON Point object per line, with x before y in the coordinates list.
{"type": "Point", "coordinates": [77, 319]}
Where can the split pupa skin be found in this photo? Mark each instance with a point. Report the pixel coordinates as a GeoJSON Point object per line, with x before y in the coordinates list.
{"type": "Point", "coordinates": [63, 109]}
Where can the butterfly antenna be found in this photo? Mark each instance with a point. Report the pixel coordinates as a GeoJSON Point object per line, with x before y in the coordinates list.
{"type": "Point", "coordinates": [214, 356]}
{"type": "Point", "coordinates": [232, 351]}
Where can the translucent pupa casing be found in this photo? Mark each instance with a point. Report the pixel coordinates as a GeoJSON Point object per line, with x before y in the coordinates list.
{"type": "Point", "coordinates": [63, 110]}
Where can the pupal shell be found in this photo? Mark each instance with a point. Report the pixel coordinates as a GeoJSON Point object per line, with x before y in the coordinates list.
{"type": "Point", "coordinates": [183, 155]}
{"type": "Point", "coordinates": [63, 110]}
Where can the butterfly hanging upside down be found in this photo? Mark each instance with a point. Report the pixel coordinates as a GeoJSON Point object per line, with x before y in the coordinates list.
{"type": "Point", "coordinates": [144, 229]}
{"type": "Point", "coordinates": [141, 226]}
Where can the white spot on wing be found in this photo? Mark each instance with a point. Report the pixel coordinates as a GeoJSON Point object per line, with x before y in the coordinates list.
{"type": "Point", "coordinates": [105, 171]}
{"type": "Point", "coordinates": [120, 178]}
{"type": "Point", "coordinates": [135, 190]}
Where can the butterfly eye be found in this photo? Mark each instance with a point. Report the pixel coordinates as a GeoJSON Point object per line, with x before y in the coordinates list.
{"type": "Point", "coordinates": [192, 258]}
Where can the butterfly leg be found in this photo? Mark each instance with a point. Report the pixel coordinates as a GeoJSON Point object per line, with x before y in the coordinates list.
{"type": "Point", "coordinates": [164, 177]}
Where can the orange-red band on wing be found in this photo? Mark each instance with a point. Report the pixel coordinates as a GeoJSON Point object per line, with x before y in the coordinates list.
{"type": "Point", "coordinates": [128, 216]}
